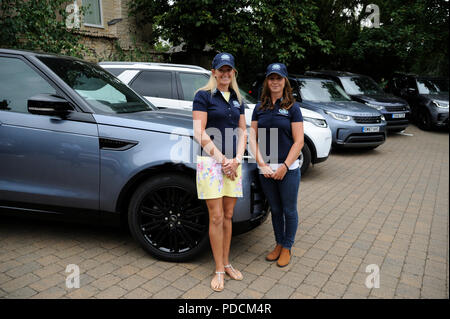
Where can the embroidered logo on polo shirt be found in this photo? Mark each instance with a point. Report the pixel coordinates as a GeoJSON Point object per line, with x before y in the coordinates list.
{"type": "Point", "coordinates": [283, 112]}
{"type": "Point", "coordinates": [276, 67]}
{"type": "Point", "coordinates": [225, 57]}
{"type": "Point", "coordinates": [236, 104]}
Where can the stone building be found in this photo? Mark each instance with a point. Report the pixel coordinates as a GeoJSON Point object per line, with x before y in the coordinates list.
{"type": "Point", "coordinates": [108, 30]}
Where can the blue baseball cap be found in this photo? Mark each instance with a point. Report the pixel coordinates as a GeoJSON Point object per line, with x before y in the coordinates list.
{"type": "Point", "coordinates": [222, 59]}
{"type": "Point", "coordinates": [278, 68]}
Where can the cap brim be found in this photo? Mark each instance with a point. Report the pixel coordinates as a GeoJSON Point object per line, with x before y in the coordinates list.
{"type": "Point", "coordinates": [277, 72]}
{"type": "Point", "coordinates": [222, 64]}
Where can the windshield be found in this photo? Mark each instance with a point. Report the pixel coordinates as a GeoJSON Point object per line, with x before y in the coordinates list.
{"type": "Point", "coordinates": [322, 91]}
{"type": "Point", "coordinates": [247, 97]}
{"type": "Point", "coordinates": [360, 85]}
{"type": "Point", "coordinates": [101, 90]}
{"type": "Point", "coordinates": [432, 86]}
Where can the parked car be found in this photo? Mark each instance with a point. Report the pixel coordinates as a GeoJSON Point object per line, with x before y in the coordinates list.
{"type": "Point", "coordinates": [427, 96]}
{"type": "Point", "coordinates": [174, 86]}
{"type": "Point", "coordinates": [352, 124]}
{"type": "Point", "coordinates": [77, 142]}
{"type": "Point", "coordinates": [364, 89]}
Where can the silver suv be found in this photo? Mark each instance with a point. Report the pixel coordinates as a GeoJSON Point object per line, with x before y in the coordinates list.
{"type": "Point", "coordinates": [75, 142]}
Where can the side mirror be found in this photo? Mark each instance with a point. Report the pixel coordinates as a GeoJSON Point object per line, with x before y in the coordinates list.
{"type": "Point", "coordinates": [48, 104]}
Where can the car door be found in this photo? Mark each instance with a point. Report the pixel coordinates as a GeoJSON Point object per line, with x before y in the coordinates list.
{"type": "Point", "coordinates": [158, 87]}
{"type": "Point", "coordinates": [46, 162]}
{"type": "Point", "coordinates": [188, 84]}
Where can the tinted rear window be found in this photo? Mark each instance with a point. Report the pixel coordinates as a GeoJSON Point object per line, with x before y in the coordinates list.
{"type": "Point", "coordinates": [154, 84]}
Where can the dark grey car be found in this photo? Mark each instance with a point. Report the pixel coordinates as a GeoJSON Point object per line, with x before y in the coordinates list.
{"type": "Point", "coordinates": [427, 96]}
{"type": "Point", "coordinates": [76, 142]}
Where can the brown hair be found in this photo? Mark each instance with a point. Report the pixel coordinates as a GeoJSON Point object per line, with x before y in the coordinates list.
{"type": "Point", "coordinates": [266, 99]}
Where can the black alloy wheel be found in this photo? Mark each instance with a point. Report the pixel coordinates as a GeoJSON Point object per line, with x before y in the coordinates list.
{"type": "Point", "coordinates": [167, 218]}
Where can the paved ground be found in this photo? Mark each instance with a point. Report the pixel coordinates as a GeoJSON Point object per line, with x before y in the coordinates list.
{"type": "Point", "coordinates": [387, 207]}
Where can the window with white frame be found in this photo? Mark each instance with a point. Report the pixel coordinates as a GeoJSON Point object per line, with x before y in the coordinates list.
{"type": "Point", "coordinates": [92, 13]}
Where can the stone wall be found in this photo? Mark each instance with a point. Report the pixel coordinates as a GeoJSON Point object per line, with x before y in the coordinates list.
{"type": "Point", "coordinates": [119, 40]}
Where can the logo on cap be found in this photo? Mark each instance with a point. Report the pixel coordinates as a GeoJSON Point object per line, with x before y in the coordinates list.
{"type": "Point", "coordinates": [225, 57]}
{"type": "Point", "coordinates": [276, 67]}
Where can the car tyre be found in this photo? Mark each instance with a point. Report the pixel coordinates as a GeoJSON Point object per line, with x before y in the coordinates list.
{"type": "Point", "coordinates": [167, 219]}
{"type": "Point", "coordinates": [424, 120]}
{"type": "Point", "coordinates": [306, 158]}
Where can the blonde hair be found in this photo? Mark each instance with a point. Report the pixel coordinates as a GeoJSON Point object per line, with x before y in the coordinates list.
{"type": "Point", "coordinates": [212, 85]}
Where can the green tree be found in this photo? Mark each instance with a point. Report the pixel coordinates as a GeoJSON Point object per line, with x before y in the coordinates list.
{"type": "Point", "coordinates": [38, 25]}
{"type": "Point", "coordinates": [412, 37]}
{"type": "Point", "coordinates": [257, 32]}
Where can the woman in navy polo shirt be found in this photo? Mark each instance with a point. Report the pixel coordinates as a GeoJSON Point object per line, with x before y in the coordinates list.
{"type": "Point", "coordinates": [281, 121]}
{"type": "Point", "coordinates": [219, 127]}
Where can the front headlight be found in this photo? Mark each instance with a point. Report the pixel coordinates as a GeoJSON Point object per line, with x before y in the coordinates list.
{"type": "Point", "coordinates": [377, 107]}
{"type": "Point", "coordinates": [440, 104]}
{"type": "Point", "coordinates": [339, 117]}
{"type": "Point", "coordinates": [316, 122]}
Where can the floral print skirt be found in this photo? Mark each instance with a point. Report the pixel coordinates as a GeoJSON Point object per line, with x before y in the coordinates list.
{"type": "Point", "coordinates": [212, 183]}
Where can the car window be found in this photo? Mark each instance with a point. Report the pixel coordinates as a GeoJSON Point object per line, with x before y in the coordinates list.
{"type": "Point", "coordinates": [19, 82]}
{"type": "Point", "coordinates": [191, 82]}
{"type": "Point", "coordinates": [154, 83]}
{"type": "Point", "coordinates": [360, 85]}
{"type": "Point", "coordinates": [322, 91]}
{"type": "Point", "coordinates": [432, 86]}
{"type": "Point", "coordinates": [103, 92]}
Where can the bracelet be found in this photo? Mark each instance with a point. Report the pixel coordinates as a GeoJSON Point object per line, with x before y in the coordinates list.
{"type": "Point", "coordinates": [287, 167]}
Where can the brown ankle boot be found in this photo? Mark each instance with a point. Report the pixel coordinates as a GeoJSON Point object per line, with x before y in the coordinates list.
{"type": "Point", "coordinates": [272, 256]}
{"type": "Point", "coordinates": [285, 257]}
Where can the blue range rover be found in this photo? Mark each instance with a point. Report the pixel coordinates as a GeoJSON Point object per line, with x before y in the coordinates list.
{"type": "Point", "coordinates": [352, 124]}
{"type": "Point", "coordinates": [75, 142]}
{"type": "Point", "coordinates": [364, 89]}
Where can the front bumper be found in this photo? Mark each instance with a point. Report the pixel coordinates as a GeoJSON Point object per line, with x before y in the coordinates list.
{"type": "Point", "coordinates": [259, 209]}
{"type": "Point", "coordinates": [440, 118]}
{"type": "Point", "coordinates": [393, 123]}
{"type": "Point", "coordinates": [320, 138]}
{"type": "Point", "coordinates": [350, 134]}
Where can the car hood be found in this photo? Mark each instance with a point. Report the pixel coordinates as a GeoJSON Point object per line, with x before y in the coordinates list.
{"type": "Point", "coordinates": [351, 108]}
{"type": "Point", "coordinates": [437, 97]}
{"type": "Point", "coordinates": [166, 121]}
{"type": "Point", "coordinates": [380, 99]}
{"type": "Point", "coordinates": [305, 112]}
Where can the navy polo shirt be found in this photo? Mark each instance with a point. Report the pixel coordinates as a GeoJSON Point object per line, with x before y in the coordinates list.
{"type": "Point", "coordinates": [280, 119]}
{"type": "Point", "coordinates": [223, 117]}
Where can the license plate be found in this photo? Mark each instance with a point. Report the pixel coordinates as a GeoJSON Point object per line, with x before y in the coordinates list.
{"type": "Point", "coordinates": [398, 116]}
{"type": "Point", "coordinates": [370, 129]}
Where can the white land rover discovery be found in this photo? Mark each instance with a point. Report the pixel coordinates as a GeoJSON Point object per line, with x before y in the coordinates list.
{"type": "Point", "coordinates": [174, 85]}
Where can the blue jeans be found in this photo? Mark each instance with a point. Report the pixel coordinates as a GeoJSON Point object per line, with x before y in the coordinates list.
{"type": "Point", "coordinates": [282, 197]}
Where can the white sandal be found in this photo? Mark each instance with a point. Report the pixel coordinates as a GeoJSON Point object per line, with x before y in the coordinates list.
{"type": "Point", "coordinates": [234, 272]}
{"type": "Point", "coordinates": [219, 289]}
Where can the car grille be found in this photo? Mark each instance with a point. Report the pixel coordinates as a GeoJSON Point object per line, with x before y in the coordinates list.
{"type": "Point", "coordinates": [396, 108]}
{"type": "Point", "coordinates": [367, 119]}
